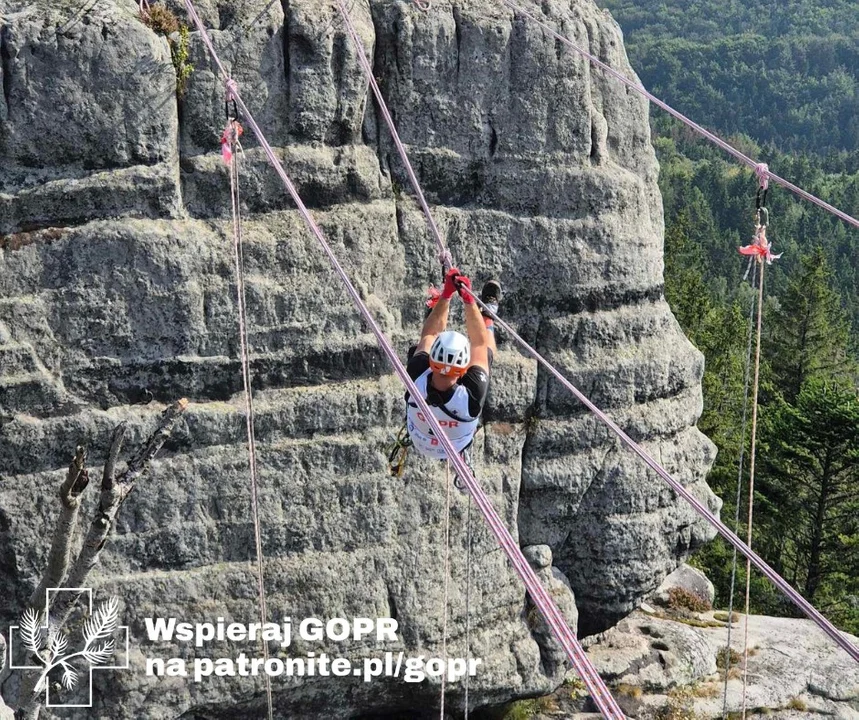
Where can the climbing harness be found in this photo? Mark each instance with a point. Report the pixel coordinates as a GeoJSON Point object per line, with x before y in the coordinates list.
{"type": "Point", "coordinates": [229, 146]}
{"type": "Point", "coordinates": [399, 451]}
{"type": "Point", "coordinates": [468, 459]}
{"type": "Point", "coordinates": [760, 247]}
{"type": "Point", "coordinates": [232, 133]}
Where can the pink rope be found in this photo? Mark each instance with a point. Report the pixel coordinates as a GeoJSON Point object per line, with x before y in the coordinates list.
{"type": "Point", "coordinates": [552, 615]}
{"type": "Point", "coordinates": [763, 172]}
{"type": "Point", "coordinates": [444, 255]}
{"type": "Point", "coordinates": [720, 527]}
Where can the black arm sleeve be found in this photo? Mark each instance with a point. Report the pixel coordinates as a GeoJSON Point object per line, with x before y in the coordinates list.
{"type": "Point", "coordinates": [418, 364]}
{"type": "Point", "coordinates": [476, 382]}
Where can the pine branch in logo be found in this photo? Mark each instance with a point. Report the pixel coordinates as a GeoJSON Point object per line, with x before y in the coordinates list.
{"type": "Point", "coordinates": [47, 643]}
{"type": "Point", "coordinates": [31, 631]}
{"type": "Point", "coordinates": [59, 644]}
{"type": "Point", "coordinates": [100, 654]}
{"type": "Point", "coordinates": [70, 677]}
{"type": "Point", "coordinates": [103, 621]}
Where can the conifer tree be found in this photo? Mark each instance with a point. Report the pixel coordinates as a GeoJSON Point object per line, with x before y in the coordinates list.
{"type": "Point", "coordinates": [807, 335]}
{"type": "Point", "coordinates": [811, 470]}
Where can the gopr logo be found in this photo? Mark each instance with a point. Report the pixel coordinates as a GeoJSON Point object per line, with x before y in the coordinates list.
{"type": "Point", "coordinates": [50, 644]}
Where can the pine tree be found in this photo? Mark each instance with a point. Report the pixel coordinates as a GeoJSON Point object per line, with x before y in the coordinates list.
{"type": "Point", "coordinates": [685, 288]}
{"type": "Point", "coordinates": [808, 334]}
{"type": "Point", "coordinates": [811, 479]}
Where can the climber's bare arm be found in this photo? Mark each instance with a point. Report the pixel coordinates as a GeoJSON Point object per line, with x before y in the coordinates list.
{"type": "Point", "coordinates": [435, 323]}
{"type": "Point", "coordinates": [482, 340]}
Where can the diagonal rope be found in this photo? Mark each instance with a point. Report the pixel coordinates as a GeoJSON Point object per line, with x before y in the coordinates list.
{"type": "Point", "coordinates": [752, 454]}
{"type": "Point", "coordinates": [446, 581]}
{"type": "Point", "coordinates": [249, 408]}
{"type": "Point", "coordinates": [550, 612]}
{"type": "Point", "coordinates": [599, 692]}
{"type": "Point", "coordinates": [806, 607]}
{"type": "Point", "coordinates": [763, 173]}
{"type": "Point", "coordinates": [740, 467]}
{"type": "Point", "coordinates": [444, 255]}
{"type": "Point", "coordinates": [761, 169]}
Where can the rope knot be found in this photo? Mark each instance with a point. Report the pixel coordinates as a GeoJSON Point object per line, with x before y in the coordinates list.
{"type": "Point", "coordinates": [446, 260]}
{"type": "Point", "coordinates": [233, 89]}
{"type": "Point", "coordinates": [762, 171]}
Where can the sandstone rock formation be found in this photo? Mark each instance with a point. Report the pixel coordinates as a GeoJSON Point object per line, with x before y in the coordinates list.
{"type": "Point", "coordinates": [794, 669]}
{"type": "Point", "coordinates": [117, 295]}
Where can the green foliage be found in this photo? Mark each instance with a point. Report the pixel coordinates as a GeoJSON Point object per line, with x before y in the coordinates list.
{"type": "Point", "coordinates": [682, 599]}
{"type": "Point", "coordinates": [527, 709]}
{"type": "Point", "coordinates": [163, 21]}
{"type": "Point", "coordinates": [811, 480]}
{"type": "Point", "coordinates": [807, 333]}
{"type": "Point", "coordinates": [727, 657]}
{"type": "Point", "coordinates": [179, 52]}
{"type": "Point", "coordinates": [680, 705]}
{"type": "Point", "coordinates": [786, 72]}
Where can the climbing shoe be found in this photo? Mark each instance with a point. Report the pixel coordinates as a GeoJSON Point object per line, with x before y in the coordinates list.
{"type": "Point", "coordinates": [458, 482]}
{"type": "Point", "coordinates": [491, 295]}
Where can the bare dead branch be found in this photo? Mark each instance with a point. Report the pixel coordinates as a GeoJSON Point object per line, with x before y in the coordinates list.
{"type": "Point", "coordinates": [113, 453]}
{"type": "Point", "coordinates": [112, 496]}
{"type": "Point", "coordinates": [113, 492]}
{"type": "Point", "coordinates": [140, 463]}
{"type": "Point", "coordinates": [75, 483]}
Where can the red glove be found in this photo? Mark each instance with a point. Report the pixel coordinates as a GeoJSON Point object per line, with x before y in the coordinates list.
{"type": "Point", "coordinates": [434, 294]}
{"type": "Point", "coordinates": [450, 284]}
{"type": "Point", "coordinates": [462, 281]}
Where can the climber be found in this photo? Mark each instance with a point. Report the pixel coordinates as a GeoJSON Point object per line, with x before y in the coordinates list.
{"type": "Point", "coordinates": [452, 373]}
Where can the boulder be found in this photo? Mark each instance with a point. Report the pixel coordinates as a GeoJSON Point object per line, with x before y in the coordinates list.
{"type": "Point", "coordinates": [689, 580]}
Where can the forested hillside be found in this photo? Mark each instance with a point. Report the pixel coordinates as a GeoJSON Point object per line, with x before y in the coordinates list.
{"type": "Point", "coordinates": [778, 70]}
{"type": "Point", "coordinates": [780, 79]}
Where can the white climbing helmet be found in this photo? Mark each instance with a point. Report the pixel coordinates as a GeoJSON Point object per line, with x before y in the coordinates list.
{"type": "Point", "coordinates": [450, 354]}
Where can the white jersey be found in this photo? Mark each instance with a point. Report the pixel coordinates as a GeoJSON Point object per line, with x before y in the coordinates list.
{"type": "Point", "coordinates": [457, 424]}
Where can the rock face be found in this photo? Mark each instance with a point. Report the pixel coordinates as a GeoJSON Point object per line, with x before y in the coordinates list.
{"type": "Point", "coordinates": [794, 669]}
{"type": "Point", "coordinates": [117, 295]}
